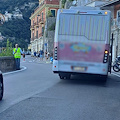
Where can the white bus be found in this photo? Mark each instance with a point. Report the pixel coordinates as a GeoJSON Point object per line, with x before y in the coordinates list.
{"type": "Point", "coordinates": [82, 41]}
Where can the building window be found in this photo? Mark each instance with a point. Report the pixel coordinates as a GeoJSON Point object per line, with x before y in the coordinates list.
{"type": "Point", "coordinates": [42, 16]}
{"type": "Point", "coordinates": [42, 30]}
{"type": "Point", "coordinates": [37, 19]}
{"type": "Point", "coordinates": [53, 12]}
{"type": "Point", "coordinates": [33, 35]}
{"type": "Point", "coordinates": [37, 34]}
{"type": "Point", "coordinates": [33, 22]}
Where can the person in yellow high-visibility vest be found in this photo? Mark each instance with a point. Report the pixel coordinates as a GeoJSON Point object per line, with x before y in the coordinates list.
{"type": "Point", "coordinates": [17, 55]}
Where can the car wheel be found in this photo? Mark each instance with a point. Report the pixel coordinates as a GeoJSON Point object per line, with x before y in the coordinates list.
{"type": "Point", "coordinates": [1, 87]}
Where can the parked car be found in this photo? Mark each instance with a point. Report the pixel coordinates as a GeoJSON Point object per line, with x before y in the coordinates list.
{"type": "Point", "coordinates": [1, 86]}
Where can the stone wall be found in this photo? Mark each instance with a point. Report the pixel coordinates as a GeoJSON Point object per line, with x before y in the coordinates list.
{"type": "Point", "coordinates": [49, 35]}
{"type": "Point", "coordinates": [51, 41]}
{"type": "Point", "coordinates": [50, 21]}
{"type": "Point", "coordinates": [7, 64]}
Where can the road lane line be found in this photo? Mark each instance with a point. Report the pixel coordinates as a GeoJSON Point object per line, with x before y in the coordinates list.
{"type": "Point", "coordinates": [116, 74]}
{"type": "Point", "coordinates": [23, 68]}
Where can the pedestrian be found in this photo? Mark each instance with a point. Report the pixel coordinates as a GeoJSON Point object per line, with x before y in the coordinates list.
{"type": "Point", "coordinates": [34, 53]}
{"type": "Point", "coordinates": [46, 55]}
{"type": "Point", "coordinates": [17, 55]}
{"type": "Point", "coordinates": [41, 55]}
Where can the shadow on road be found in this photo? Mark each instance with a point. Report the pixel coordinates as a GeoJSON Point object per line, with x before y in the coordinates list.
{"type": "Point", "coordinates": [85, 80]}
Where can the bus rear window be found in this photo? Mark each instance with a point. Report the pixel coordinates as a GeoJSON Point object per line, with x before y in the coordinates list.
{"type": "Point", "coordinates": [93, 27]}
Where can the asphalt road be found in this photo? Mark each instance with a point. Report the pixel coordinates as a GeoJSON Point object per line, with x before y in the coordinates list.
{"type": "Point", "coordinates": [38, 94]}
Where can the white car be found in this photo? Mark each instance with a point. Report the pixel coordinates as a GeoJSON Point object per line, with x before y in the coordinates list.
{"type": "Point", "coordinates": [1, 86]}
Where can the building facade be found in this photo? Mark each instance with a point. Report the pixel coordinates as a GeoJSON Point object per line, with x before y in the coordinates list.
{"type": "Point", "coordinates": [38, 20]}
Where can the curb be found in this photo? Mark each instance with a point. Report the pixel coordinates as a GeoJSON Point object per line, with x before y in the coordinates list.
{"type": "Point", "coordinates": [22, 69]}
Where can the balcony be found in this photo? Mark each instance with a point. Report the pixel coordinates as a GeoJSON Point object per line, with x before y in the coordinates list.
{"type": "Point", "coordinates": [41, 21]}
{"type": "Point", "coordinates": [32, 27]}
{"type": "Point", "coordinates": [36, 24]}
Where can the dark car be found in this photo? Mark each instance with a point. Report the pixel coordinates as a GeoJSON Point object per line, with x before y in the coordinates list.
{"type": "Point", "coordinates": [1, 86]}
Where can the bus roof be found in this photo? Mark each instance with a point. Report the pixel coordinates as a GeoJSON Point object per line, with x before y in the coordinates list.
{"type": "Point", "coordinates": [85, 8]}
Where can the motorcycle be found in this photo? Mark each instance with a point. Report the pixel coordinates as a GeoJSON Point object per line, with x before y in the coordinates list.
{"type": "Point", "coordinates": [116, 64]}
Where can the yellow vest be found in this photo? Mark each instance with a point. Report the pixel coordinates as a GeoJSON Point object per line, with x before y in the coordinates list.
{"type": "Point", "coordinates": [17, 53]}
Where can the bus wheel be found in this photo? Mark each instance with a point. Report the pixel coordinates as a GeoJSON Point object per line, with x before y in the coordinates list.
{"type": "Point", "coordinates": [61, 77]}
{"type": "Point", "coordinates": [68, 76]}
{"type": "Point", "coordinates": [65, 76]}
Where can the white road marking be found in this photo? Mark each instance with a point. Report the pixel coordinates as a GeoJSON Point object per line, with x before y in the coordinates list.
{"type": "Point", "coordinates": [23, 68]}
{"type": "Point", "coordinates": [116, 74]}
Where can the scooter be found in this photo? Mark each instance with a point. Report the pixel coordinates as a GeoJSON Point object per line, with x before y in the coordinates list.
{"type": "Point", "coordinates": [116, 64]}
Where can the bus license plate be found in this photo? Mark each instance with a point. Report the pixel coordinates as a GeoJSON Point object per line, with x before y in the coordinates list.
{"type": "Point", "coordinates": [82, 69]}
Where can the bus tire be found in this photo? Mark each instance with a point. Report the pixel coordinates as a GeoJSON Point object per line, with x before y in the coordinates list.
{"type": "Point", "coordinates": [65, 76]}
{"type": "Point", "coordinates": [61, 77]}
{"type": "Point", "coordinates": [68, 76]}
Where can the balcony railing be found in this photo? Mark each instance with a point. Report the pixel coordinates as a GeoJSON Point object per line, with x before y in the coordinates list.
{"type": "Point", "coordinates": [32, 27]}
{"type": "Point", "coordinates": [37, 24]}
{"type": "Point", "coordinates": [41, 21]}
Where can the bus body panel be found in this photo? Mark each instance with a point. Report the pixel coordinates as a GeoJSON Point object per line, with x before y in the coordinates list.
{"type": "Point", "coordinates": [80, 67]}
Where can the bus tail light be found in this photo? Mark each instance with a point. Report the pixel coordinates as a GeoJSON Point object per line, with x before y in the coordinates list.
{"type": "Point", "coordinates": [55, 53]}
{"type": "Point", "coordinates": [105, 60]}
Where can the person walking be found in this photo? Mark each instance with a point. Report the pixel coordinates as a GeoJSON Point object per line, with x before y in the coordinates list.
{"type": "Point", "coordinates": [17, 55]}
{"type": "Point", "coordinates": [41, 55]}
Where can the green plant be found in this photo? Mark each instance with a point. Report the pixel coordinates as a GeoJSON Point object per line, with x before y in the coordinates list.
{"type": "Point", "coordinates": [49, 14]}
{"type": "Point", "coordinates": [8, 50]}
